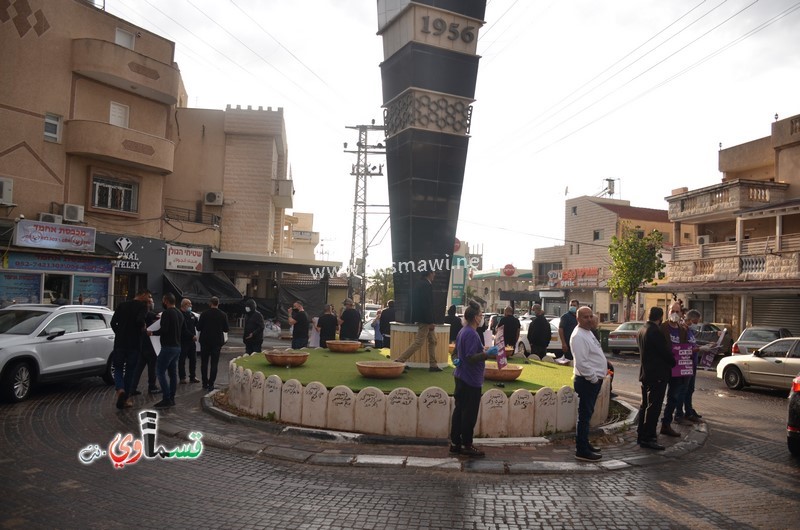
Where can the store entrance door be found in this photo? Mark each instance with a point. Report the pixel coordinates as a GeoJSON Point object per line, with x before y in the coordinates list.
{"type": "Point", "coordinates": [126, 286]}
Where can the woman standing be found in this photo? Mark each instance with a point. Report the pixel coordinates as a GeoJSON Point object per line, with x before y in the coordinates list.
{"type": "Point", "coordinates": [469, 381]}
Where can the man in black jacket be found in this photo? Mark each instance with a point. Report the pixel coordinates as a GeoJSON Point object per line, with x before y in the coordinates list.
{"type": "Point", "coordinates": [422, 315]}
{"type": "Point", "coordinates": [212, 325]}
{"type": "Point", "coordinates": [128, 324]}
{"type": "Point", "coordinates": [167, 364]}
{"type": "Point", "coordinates": [253, 332]}
{"type": "Point", "coordinates": [188, 343]}
{"type": "Point", "coordinates": [539, 332]}
{"type": "Point", "coordinates": [656, 368]}
{"type": "Point", "coordinates": [387, 317]}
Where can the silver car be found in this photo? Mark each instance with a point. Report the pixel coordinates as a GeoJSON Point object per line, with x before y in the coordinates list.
{"type": "Point", "coordinates": [41, 343]}
{"type": "Point", "coordinates": [774, 365]}
{"type": "Point", "coordinates": [625, 337]}
{"type": "Point", "coordinates": [754, 337]}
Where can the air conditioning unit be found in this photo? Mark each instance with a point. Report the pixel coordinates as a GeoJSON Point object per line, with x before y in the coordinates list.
{"type": "Point", "coordinates": [73, 213]}
{"type": "Point", "coordinates": [50, 218]}
{"type": "Point", "coordinates": [6, 191]}
{"type": "Point", "coordinates": [703, 240]}
{"type": "Point", "coordinates": [213, 198]}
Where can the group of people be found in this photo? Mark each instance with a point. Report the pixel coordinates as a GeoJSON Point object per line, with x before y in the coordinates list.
{"type": "Point", "coordinates": [319, 330]}
{"type": "Point", "coordinates": [178, 333]}
{"type": "Point", "coordinates": [657, 340]}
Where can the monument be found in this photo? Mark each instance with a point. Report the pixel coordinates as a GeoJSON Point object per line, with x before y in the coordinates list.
{"type": "Point", "coordinates": [428, 75]}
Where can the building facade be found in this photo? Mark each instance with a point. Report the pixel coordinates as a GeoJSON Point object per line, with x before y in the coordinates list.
{"type": "Point", "coordinates": [580, 269]}
{"type": "Point", "coordinates": [742, 268]}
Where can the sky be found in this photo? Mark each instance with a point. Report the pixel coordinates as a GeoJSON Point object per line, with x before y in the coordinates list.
{"type": "Point", "coordinates": [569, 93]}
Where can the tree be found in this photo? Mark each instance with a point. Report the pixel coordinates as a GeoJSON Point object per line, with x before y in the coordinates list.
{"type": "Point", "coordinates": [381, 285]}
{"type": "Point", "coordinates": [469, 294]}
{"type": "Point", "coordinates": [635, 262]}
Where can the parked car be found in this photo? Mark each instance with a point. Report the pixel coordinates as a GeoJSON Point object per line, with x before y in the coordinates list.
{"type": "Point", "coordinates": [793, 420]}
{"type": "Point", "coordinates": [524, 347]}
{"type": "Point", "coordinates": [625, 337]}
{"type": "Point", "coordinates": [41, 343]}
{"type": "Point", "coordinates": [754, 337]}
{"type": "Point", "coordinates": [709, 332]}
{"type": "Point", "coordinates": [367, 337]}
{"type": "Point", "coordinates": [773, 365]}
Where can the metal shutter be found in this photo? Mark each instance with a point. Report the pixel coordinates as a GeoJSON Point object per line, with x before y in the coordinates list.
{"type": "Point", "coordinates": [779, 312]}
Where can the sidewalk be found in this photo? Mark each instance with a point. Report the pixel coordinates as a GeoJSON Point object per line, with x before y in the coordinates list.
{"type": "Point", "coordinates": [554, 454]}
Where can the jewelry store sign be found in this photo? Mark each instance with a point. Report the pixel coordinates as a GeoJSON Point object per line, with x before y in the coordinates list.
{"type": "Point", "coordinates": [37, 234]}
{"type": "Point", "coordinates": [184, 259]}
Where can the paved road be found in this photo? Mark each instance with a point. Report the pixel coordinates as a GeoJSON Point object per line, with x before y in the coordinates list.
{"type": "Point", "coordinates": [742, 477]}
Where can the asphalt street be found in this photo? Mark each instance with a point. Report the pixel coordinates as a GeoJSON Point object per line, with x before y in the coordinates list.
{"type": "Point", "coordinates": [739, 474]}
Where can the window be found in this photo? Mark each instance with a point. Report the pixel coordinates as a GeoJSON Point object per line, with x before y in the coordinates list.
{"type": "Point", "coordinates": [687, 235]}
{"type": "Point", "coordinates": [577, 249]}
{"type": "Point", "coordinates": [640, 234]}
{"type": "Point", "coordinates": [574, 210]}
{"type": "Point", "coordinates": [67, 322]}
{"type": "Point", "coordinates": [114, 194]}
{"type": "Point", "coordinates": [597, 235]}
{"type": "Point", "coordinates": [119, 115]}
{"type": "Point", "coordinates": [124, 38]}
{"type": "Point", "coordinates": [92, 321]}
{"type": "Point", "coordinates": [52, 127]}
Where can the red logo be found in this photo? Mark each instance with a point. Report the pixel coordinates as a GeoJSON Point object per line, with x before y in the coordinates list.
{"type": "Point", "coordinates": [509, 270]}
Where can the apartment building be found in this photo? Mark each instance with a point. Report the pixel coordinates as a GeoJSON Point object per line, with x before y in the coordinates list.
{"type": "Point", "coordinates": [580, 269]}
{"type": "Point", "coordinates": [742, 267]}
{"type": "Point", "coordinates": [109, 183]}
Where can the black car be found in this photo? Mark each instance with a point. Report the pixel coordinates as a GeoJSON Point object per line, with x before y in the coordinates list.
{"type": "Point", "coordinates": [793, 421]}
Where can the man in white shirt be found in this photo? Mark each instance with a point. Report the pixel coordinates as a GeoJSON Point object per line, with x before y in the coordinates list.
{"type": "Point", "coordinates": [590, 368]}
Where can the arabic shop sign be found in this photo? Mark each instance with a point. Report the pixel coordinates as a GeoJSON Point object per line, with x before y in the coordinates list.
{"type": "Point", "coordinates": [584, 277]}
{"type": "Point", "coordinates": [29, 233]}
{"type": "Point", "coordinates": [127, 450]}
{"type": "Point", "coordinates": [184, 259]}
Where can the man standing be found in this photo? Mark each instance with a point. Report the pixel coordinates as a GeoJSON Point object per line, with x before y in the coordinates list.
{"type": "Point", "coordinates": [212, 325]}
{"type": "Point", "coordinates": [299, 320]}
{"type": "Point", "coordinates": [253, 332]}
{"type": "Point", "coordinates": [656, 367]}
{"type": "Point", "coordinates": [349, 322]}
{"type": "Point", "coordinates": [128, 324]}
{"type": "Point", "coordinates": [148, 357]}
{"type": "Point", "coordinates": [327, 325]}
{"type": "Point", "coordinates": [566, 327]}
{"type": "Point", "coordinates": [676, 334]}
{"type": "Point", "coordinates": [387, 317]}
{"type": "Point", "coordinates": [511, 327]}
{"type": "Point", "coordinates": [590, 368]}
{"type": "Point", "coordinates": [539, 332]}
{"type": "Point", "coordinates": [170, 334]}
{"type": "Point", "coordinates": [188, 341]}
{"type": "Point", "coordinates": [687, 412]}
{"type": "Point", "coordinates": [422, 314]}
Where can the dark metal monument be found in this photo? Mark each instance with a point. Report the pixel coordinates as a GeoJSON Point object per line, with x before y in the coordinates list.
{"type": "Point", "coordinates": [429, 72]}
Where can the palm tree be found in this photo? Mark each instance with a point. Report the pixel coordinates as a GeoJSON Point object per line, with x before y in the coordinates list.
{"type": "Point", "coordinates": [381, 285]}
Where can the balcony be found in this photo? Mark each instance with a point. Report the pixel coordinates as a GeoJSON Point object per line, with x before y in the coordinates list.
{"type": "Point", "coordinates": [283, 193]}
{"type": "Point", "coordinates": [119, 145]}
{"type": "Point", "coordinates": [126, 69]}
{"type": "Point", "coordinates": [750, 247]}
{"type": "Point", "coordinates": [722, 201]}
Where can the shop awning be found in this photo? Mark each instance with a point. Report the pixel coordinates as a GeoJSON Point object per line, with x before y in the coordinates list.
{"type": "Point", "coordinates": [199, 287]}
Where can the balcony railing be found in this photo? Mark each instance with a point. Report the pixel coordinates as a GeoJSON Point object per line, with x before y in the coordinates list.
{"type": "Point", "coordinates": [721, 200]}
{"type": "Point", "coordinates": [755, 246]}
{"type": "Point", "coordinates": [191, 216]}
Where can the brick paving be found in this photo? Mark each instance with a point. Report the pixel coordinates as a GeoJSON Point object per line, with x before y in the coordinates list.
{"type": "Point", "coordinates": [725, 476]}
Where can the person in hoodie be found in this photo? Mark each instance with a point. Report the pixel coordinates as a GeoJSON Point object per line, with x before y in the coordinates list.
{"type": "Point", "coordinates": [253, 334]}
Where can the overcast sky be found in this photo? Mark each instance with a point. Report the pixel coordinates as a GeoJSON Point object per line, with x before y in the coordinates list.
{"type": "Point", "coordinates": [569, 93]}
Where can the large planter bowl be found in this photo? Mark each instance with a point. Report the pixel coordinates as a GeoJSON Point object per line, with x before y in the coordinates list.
{"type": "Point", "coordinates": [380, 369]}
{"type": "Point", "coordinates": [286, 358]}
{"type": "Point", "coordinates": [510, 373]}
{"type": "Point", "coordinates": [343, 346]}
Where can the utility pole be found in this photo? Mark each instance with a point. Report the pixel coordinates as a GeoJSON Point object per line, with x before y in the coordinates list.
{"type": "Point", "coordinates": [361, 170]}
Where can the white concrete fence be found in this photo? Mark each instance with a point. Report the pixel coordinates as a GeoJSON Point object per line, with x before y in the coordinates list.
{"type": "Point", "coordinates": [403, 413]}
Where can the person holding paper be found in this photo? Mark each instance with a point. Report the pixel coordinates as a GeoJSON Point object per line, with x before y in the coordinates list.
{"type": "Point", "coordinates": [468, 375]}
{"type": "Point", "coordinates": [687, 412]}
{"type": "Point", "coordinates": [590, 367]}
{"type": "Point", "coordinates": [676, 334]}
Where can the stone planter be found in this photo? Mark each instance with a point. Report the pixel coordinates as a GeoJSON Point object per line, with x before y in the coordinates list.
{"type": "Point", "coordinates": [380, 369]}
{"type": "Point", "coordinates": [509, 373]}
{"type": "Point", "coordinates": [343, 346]}
{"type": "Point", "coordinates": [286, 358]}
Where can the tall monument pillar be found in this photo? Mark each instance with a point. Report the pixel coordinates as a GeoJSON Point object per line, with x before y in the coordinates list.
{"type": "Point", "coordinates": [429, 72]}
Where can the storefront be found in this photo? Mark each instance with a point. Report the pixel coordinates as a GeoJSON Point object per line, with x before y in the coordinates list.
{"type": "Point", "coordinates": [55, 263]}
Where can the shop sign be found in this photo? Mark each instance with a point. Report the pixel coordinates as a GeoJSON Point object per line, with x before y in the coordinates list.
{"type": "Point", "coordinates": [29, 233]}
{"type": "Point", "coordinates": [584, 277]}
{"type": "Point", "coordinates": [184, 259]}
{"type": "Point", "coordinates": [56, 263]}
{"type": "Point", "coordinates": [302, 235]}
{"type": "Point", "coordinates": [127, 259]}
{"type": "Point", "coordinates": [19, 288]}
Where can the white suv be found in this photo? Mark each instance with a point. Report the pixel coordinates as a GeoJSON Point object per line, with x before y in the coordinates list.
{"type": "Point", "coordinates": [41, 343]}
